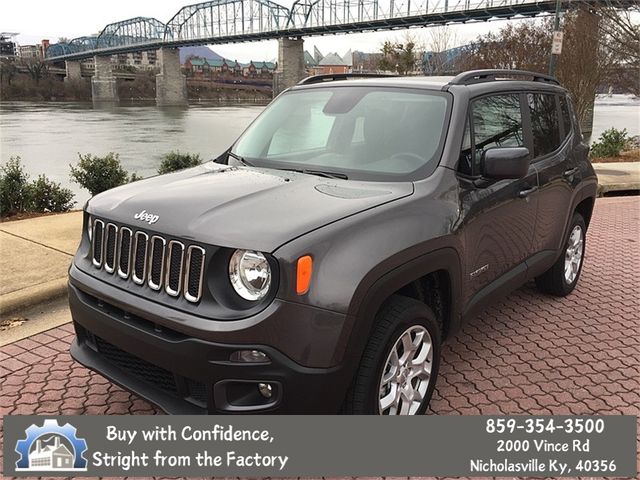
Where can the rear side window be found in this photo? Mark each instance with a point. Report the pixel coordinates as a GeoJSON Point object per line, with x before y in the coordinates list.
{"type": "Point", "coordinates": [544, 123]}
{"type": "Point", "coordinates": [566, 115]}
{"type": "Point", "coordinates": [496, 122]}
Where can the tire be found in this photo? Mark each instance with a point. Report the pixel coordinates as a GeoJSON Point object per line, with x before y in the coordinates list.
{"type": "Point", "coordinates": [399, 316]}
{"type": "Point", "coordinates": [557, 280]}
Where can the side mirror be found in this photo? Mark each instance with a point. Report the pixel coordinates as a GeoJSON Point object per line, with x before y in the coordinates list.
{"type": "Point", "coordinates": [507, 162]}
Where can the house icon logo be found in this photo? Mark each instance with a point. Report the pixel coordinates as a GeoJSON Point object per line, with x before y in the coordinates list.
{"type": "Point", "coordinates": [51, 447]}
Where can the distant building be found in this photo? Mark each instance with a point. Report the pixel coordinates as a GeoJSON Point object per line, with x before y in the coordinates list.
{"type": "Point", "coordinates": [261, 69]}
{"type": "Point", "coordinates": [140, 60]}
{"type": "Point", "coordinates": [56, 456]}
{"type": "Point", "coordinates": [7, 46]}
{"type": "Point", "coordinates": [331, 63]}
{"type": "Point", "coordinates": [205, 67]}
{"type": "Point", "coordinates": [309, 61]}
{"type": "Point", "coordinates": [28, 52]}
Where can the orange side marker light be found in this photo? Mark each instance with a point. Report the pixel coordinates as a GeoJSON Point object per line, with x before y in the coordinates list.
{"type": "Point", "coordinates": [303, 274]}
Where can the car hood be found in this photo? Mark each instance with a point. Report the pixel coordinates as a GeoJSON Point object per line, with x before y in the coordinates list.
{"type": "Point", "coordinates": [240, 207]}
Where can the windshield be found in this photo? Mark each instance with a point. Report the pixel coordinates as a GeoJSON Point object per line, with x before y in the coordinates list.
{"type": "Point", "coordinates": [359, 132]}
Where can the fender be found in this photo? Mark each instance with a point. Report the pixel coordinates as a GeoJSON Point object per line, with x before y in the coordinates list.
{"type": "Point", "coordinates": [367, 301]}
{"type": "Point", "coordinates": [587, 189]}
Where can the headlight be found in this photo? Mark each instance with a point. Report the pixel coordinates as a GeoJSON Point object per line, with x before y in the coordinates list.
{"type": "Point", "coordinates": [250, 274]}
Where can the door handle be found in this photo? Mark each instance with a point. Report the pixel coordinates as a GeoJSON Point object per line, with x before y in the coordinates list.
{"type": "Point", "coordinates": [571, 172]}
{"type": "Point", "coordinates": [527, 192]}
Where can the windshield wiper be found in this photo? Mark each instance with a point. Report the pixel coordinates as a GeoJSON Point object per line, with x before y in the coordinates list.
{"type": "Point", "coordinates": [319, 173]}
{"type": "Point", "coordinates": [239, 158]}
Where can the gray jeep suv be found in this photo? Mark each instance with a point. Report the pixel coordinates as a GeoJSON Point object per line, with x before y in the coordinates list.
{"type": "Point", "coordinates": [319, 263]}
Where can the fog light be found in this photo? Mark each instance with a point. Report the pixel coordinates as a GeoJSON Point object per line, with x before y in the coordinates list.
{"type": "Point", "coordinates": [265, 390]}
{"type": "Point", "coordinates": [250, 356]}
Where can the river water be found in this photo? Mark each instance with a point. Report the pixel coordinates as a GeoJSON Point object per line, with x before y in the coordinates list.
{"type": "Point", "coordinates": [49, 136]}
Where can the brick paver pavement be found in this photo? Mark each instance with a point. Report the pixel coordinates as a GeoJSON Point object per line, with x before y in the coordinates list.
{"type": "Point", "coordinates": [529, 354]}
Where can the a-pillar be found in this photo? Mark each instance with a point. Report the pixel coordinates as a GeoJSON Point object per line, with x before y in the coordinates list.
{"type": "Point", "coordinates": [74, 72]}
{"type": "Point", "coordinates": [171, 84]}
{"type": "Point", "coordinates": [290, 64]}
{"type": "Point", "coordinates": [103, 83]}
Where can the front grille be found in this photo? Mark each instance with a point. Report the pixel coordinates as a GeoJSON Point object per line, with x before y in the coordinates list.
{"type": "Point", "coordinates": [98, 241]}
{"type": "Point", "coordinates": [174, 273]}
{"type": "Point", "coordinates": [155, 261]}
{"type": "Point", "coordinates": [156, 258]}
{"type": "Point", "coordinates": [110, 248]}
{"type": "Point", "coordinates": [137, 367]}
{"type": "Point", "coordinates": [124, 253]}
{"type": "Point", "coordinates": [140, 257]}
{"type": "Point", "coordinates": [193, 277]}
{"type": "Point", "coordinates": [194, 392]}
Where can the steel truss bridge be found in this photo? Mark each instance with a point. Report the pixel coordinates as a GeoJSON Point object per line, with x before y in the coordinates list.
{"type": "Point", "coordinates": [230, 21]}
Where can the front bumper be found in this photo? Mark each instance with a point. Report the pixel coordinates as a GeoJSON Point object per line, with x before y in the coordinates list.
{"type": "Point", "coordinates": [183, 374]}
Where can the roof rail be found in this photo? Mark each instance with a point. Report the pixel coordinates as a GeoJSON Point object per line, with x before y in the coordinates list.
{"type": "Point", "coordinates": [332, 77]}
{"type": "Point", "coordinates": [489, 75]}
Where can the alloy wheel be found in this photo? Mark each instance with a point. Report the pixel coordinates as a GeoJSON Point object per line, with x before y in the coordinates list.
{"type": "Point", "coordinates": [407, 372]}
{"type": "Point", "coordinates": [573, 254]}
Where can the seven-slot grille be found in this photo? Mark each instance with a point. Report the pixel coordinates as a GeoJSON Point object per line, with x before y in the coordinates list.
{"type": "Point", "coordinates": [151, 260]}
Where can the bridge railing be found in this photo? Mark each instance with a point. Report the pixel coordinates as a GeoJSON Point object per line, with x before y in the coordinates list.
{"type": "Point", "coordinates": [216, 21]}
{"type": "Point", "coordinates": [226, 18]}
{"type": "Point", "coordinates": [319, 13]}
{"type": "Point", "coordinates": [134, 31]}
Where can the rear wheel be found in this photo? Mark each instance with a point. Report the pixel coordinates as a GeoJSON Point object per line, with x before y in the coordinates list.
{"type": "Point", "coordinates": [562, 277]}
{"type": "Point", "coordinates": [397, 374]}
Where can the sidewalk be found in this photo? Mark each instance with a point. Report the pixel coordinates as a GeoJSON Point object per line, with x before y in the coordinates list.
{"type": "Point", "coordinates": [35, 255]}
{"type": "Point", "coordinates": [623, 176]}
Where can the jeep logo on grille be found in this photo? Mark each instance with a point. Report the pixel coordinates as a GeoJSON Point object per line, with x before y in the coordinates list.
{"type": "Point", "coordinates": [150, 218]}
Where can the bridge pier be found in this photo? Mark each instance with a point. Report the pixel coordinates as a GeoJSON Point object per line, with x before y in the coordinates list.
{"type": "Point", "coordinates": [290, 64]}
{"type": "Point", "coordinates": [171, 84]}
{"type": "Point", "coordinates": [103, 83]}
{"type": "Point", "coordinates": [73, 71]}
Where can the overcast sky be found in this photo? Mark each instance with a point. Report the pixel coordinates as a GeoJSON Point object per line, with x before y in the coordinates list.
{"type": "Point", "coordinates": [36, 20]}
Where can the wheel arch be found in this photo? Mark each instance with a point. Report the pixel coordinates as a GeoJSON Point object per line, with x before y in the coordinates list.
{"type": "Point", "coordinates": [585, 208]}
{"type": "Point", "coordinates": [442, 264]}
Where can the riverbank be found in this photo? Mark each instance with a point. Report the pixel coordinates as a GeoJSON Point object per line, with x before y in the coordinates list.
{"type": "Point", "coordinates": [141, 88]}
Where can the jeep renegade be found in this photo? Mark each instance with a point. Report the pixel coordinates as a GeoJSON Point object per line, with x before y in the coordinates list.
{"type": "Point", "coordinates": [319, 263]}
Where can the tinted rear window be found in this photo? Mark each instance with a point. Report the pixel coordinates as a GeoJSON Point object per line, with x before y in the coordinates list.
{"type": "Point", "coordinates": [544, 123]}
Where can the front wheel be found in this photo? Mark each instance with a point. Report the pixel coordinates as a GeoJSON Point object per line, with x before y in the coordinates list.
{"type": "Point", "coordinates": [562, 277]}
{"type": "Point", "coordinates": [397, 374]}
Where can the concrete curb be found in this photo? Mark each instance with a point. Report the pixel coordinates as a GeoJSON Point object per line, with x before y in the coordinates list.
{"type": "Point", "coordinates": [617, 187]}
{"type": "Point", "coordinates": [34, 295]}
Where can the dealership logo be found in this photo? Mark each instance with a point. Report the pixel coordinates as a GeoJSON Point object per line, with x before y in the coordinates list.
{"type": "Point", "coordinates": [147, 217]}
{"type": "Point", "coordinates": [51, 447]}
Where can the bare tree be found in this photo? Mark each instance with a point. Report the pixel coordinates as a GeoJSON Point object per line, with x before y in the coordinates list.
{"type": "Point", "coordinates": [620, 35]}
{"type": "Point", "coordinates": [525, 46]}
{"type": "Point", "coordinates": [441, 39]}
{"type": "Point", "coordinates": [586, 62]}
{"type": "Point", "coordinates": [37, 69]}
